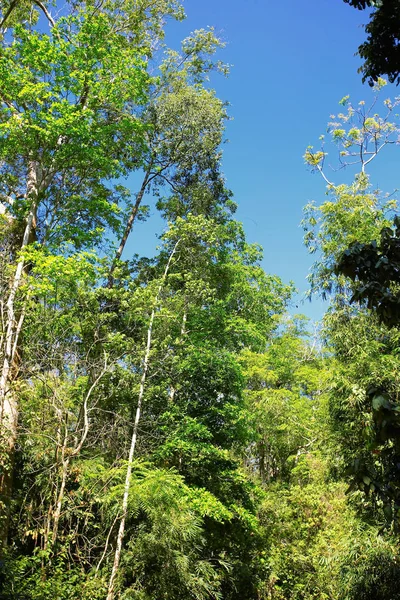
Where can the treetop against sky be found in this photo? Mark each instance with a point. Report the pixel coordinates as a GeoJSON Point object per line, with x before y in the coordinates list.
{"type": "Point", "coordinates": [291, 64]}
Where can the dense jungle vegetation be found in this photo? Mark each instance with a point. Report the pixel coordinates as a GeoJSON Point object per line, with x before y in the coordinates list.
{"type": "Point", "coordinates": [169, 429]}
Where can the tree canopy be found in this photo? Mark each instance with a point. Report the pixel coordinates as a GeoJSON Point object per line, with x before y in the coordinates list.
{"type": "Point", "coordinates": [380, 51]}
{"type": "Point", "coordinates": [169, 429]}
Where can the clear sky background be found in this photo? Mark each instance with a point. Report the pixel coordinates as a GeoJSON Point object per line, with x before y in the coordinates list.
{"type": "Point", "coordinates": [293, 60]}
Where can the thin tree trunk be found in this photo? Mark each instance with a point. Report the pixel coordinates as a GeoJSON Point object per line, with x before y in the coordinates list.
{"type": "Point", "coordinates": [128, 477]}
{"type": "Point", "coordinates": [59, 444]}
{"type": "Point", "coordinates": [60, 498]}
{"type": "Point", "coordinates": [129, 226]}
{"type": "Point", "coordinates": [183, 325]}
{"type": "Point", "coordinates": [65, 461]}
{"type": "Point", "coordinates": [8, 400]}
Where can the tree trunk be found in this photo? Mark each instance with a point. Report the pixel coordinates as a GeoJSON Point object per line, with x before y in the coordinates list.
{"type": "Point", "coordinates": [68, 454]}
{"type": "Point", "coordinates": [128, 477]}
{"type": "Point", "coordinates": [8, 399]}
{"type": "Point", "coordinates": [129, 226]}
{"type": "Point", "coordinates": [60, 498]}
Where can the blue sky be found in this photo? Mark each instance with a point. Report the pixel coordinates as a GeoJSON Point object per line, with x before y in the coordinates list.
{"type": "Point", "coordinates": [293, 60]}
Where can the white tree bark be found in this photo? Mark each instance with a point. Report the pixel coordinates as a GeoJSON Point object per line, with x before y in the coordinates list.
{"type": "Point", "coordinates": [128, 476]}
{"type": "Point", "coordinates": [67, 454]}
{"type": "Point", "coordinates": [13, 323]}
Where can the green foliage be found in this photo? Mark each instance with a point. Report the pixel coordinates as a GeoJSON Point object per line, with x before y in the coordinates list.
{"type": "Point", "coordinates": [375, 268]}
{"type": "Point", "coordinates": [353, 237]}
{"type": "Point", "coordinates": [165, 555]}
{"type": "Point", "coordinates": [364, 408]}
{"type": "Point", "coordinates": [284, 402]}
{"type": "Point", "coordinates": [371, 571]}
{"type": "Point", "coordinates": [354, 213]}
{"type": "Point", "coordinates": [380, 51]}
{"type": "Point", "coordinates": [176, 429]}
{"type": "Point", "coordinates": [69, 105]}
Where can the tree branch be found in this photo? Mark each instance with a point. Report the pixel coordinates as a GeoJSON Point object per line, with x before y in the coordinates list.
{"type": "Point", "coordinates": [8, 13]}
{"type": "Point", "coordinates": [45, 11]}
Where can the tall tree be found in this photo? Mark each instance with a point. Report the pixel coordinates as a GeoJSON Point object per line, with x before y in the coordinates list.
{"type": "Point", "coordinates": [184, 124]}
{"type": "Point", "coordinates": [70, 100]}
{"type": "Point", "coordinates": [355, 241]}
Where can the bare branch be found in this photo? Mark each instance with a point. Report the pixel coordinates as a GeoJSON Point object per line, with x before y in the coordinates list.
{"type": "Point", "coordinates": [45, 11]}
